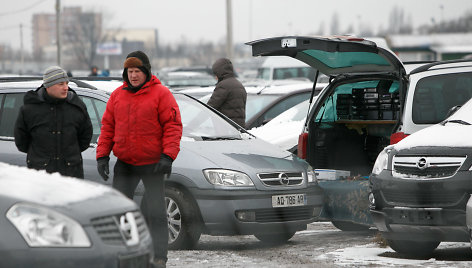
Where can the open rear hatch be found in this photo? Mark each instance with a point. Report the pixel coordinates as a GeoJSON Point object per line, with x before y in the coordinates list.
{"type": "Point", "coordinates": [331, 55]}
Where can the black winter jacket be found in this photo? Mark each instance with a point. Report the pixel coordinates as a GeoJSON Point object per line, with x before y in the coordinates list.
{"type": "Point", "coordinates": [53, 132]}
{"type": "Point", "coordinates": [229, 96]}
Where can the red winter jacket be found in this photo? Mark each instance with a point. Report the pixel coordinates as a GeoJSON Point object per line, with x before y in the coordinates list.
{"type": "Point", "coordinates": [140, 126]}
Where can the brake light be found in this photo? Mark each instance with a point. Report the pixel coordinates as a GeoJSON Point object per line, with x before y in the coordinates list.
{"type": "Point", "coordinates": [302, 144]}
{"type": "Point", "coordinates": [397, 136]}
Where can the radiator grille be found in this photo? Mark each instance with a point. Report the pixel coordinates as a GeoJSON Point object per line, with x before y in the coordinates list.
{"type": "Point", "coordinates": [108, 228]}
{"type": "Point", "coordinates": [281, 178]}
{"type": "Point", "coordinates": [426, 167]}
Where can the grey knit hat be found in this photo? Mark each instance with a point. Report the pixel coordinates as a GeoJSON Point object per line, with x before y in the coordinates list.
{"type": "Point", "coordinates": [54, 75]}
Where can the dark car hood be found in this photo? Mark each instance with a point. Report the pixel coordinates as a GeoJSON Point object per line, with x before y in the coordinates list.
{"type": "Point", "coordinates": [332, 55]}
{"type": "Point", "coordinates": [81, 200]}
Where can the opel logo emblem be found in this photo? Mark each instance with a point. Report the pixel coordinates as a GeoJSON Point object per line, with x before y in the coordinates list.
{"type": "Point", "coordinates": [283, 178]}
{"type": "Point", "coordinates": [422, 163]}
{"type": "Point", "coordinates": [129, 229]}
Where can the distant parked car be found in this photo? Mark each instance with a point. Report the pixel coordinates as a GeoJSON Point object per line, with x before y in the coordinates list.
{"type": "Point", "coordinates": [185, 79]}
{"type": "Point", "coordinates": [421, 186]}
{"type": "Point", "coordinates": [284, 129]}
{"type": "Point", "coordinates": [267, 100]}
{"type": "Point", "coordinates": [225, 181]}
{"type": "Point", "coordinates": [47, 220]}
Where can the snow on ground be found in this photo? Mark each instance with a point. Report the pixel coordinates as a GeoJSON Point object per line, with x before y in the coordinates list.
{"type": "Point", "coordinates": [374, 256]}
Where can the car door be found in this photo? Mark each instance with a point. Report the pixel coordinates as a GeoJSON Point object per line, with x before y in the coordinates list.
{"type": "Point", "coordinates": [10, 103]}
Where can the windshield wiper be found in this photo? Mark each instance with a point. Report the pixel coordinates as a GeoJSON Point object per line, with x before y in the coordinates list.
{"type": "Point", "coordinates": [458, 121]}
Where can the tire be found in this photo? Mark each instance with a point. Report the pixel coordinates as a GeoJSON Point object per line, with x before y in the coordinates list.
{"type": "Point", "coordinates": [350, 226]}
{"type": "Point", "coordinates": [413, 248]}
{"type": "Point", "coordinates": [276, 238]}
{"type": "Point", "coordinates": [183, 222]}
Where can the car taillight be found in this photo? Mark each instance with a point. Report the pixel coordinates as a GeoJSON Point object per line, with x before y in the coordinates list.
{"type": "Point", "coordinates": [397, 136]}
{"type": "Point", "coordinates": [302, 143]}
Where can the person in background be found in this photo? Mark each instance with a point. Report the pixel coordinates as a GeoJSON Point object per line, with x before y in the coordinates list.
{"type": "Point", "coordinates": [53, 126]}
{"type": "Point", "coordinates": [142, 126]}
{"type": "Point", "coordinates": [93, 71]}
{"type": "Point", "coordinates": [229, 96]}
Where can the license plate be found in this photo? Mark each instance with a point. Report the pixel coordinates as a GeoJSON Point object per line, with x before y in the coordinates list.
{"type": "Point", "coordinates": [288, 200]}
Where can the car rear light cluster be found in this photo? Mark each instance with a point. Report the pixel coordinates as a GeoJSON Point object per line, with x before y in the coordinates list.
{"type": "Point", "coordinates": [302, 145]}
{"type": "Point", "coordinates": [397, 136]}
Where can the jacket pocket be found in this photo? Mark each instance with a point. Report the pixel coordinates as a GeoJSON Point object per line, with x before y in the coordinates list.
{"type": "Point", "coordinates": [73, 161]}
{"type": "Point", "coordinates": [37, 163]}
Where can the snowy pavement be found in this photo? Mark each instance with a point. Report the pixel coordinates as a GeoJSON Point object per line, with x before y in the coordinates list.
{"type": "Point", "coordinates": [322, 245]}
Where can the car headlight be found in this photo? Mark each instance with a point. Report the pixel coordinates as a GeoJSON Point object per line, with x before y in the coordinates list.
{"type": "Point", "coordinates": [311, 175]}
{"type": "Point", "coordinates": [226, 177]}
{"type": "Point", "coordinates": [381, 162]}
{"type": "Point", "coordinates": [44, 227]}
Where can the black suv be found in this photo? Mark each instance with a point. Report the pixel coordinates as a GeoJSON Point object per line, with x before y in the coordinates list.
{"type": "Point", "coordinates": [421, 186]}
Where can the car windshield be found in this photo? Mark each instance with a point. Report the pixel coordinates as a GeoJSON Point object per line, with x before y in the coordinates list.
{"type": "Point", "coordinates": [201, 123]}
{"type": "Point", "coordinates": [256, 102]}
{"type": "Point", "coordinates": [464, 114]}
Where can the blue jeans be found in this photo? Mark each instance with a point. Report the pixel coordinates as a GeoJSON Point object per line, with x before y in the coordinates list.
{"type": "Point", "coordinates": [126, 178]}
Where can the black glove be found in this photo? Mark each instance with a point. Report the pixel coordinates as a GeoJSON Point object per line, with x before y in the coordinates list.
{"type": "Point", "coordinates": [103, 167]}
{"type": "Point", "coordinates": [164, 166]}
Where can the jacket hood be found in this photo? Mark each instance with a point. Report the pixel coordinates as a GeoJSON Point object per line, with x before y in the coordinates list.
{"type": "Point", "coordinates": [223, 68]}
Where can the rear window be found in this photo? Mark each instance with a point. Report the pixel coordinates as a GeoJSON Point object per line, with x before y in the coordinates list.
{"type": "Point", "coordinates": [436, 95]}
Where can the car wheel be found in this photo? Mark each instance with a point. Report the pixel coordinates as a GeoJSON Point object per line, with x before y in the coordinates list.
{"type": "Point", "coordinates": [413, 248]}
{"type": "Point", "coordinates": [350, 226]}
{"type": "Point", "coordinates": [183, 223]}
{"type": "Point", "coordinates": [275, 238]}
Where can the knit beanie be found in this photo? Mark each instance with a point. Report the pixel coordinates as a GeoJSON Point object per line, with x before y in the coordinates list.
{"type": "Point", "coordinates": [139, 60]}
{"type": "Point", "coordinates": [54, 75]}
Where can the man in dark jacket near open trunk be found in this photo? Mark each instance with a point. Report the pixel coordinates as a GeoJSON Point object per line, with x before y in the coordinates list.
{"type": "Point", "coordinates": [229, 96]}
{"type": "Point", "coordinates": [53, 126]}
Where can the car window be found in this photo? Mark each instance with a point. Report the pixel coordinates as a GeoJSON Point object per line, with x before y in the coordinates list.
{"type": "Point", "coordinates": [435, 95]}
{"type": "Point", "coordinates": [95, 109]}
{"type": "Point", "coordinates": [255, 103]}
{"type": "Point", "coordinates": [349, 102]}
{"type": "Point", "coordinates": [294, 72]}
{"type": "Point", "coordinates": [10, 106]}
{"type": "Point", "coordinates": [284, 105]}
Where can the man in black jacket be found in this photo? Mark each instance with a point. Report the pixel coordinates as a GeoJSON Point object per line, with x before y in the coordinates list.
{"type": "Point", "coordinates": [229, 96]}
{"type": "Point", "coordinates": [53, 127]}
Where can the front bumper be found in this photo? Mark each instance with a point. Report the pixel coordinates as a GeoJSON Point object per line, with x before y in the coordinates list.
{"type": "Point", "coordinates": [421, 224]}
{"type": "Point", "coordinates": [219, 210]}
{"type": "Point", "coordinates": [421, 209]}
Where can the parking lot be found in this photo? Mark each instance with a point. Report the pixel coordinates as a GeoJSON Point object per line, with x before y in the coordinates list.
{"type": "Point", "coordinates": [321, 245]}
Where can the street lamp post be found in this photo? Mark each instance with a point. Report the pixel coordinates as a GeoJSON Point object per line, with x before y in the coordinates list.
{"type": "Point", "coordinates": [58, 31]}
{"type": "Point", "coordinates": [229, 30]}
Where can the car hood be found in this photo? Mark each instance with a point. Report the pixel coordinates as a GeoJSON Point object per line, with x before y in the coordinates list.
{"type": "Point", "coordinates": [448, 135]}
{"type": "Point", "coordinates": [82, 200]}
{"type": "Point", "coordinates": [249, 156]}
{"type": "Point", "coordinates": [332, 55]}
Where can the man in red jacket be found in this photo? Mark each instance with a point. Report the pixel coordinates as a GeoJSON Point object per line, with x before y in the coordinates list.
{"type": "Point", "coordinates": [142, 126]}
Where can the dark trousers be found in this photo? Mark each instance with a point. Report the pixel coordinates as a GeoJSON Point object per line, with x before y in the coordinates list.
{"type": "Point", "coordinates": [126, 178]}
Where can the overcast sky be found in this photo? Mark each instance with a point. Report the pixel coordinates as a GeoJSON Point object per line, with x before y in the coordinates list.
{"type": "Point", "coordinates": [196, 20]}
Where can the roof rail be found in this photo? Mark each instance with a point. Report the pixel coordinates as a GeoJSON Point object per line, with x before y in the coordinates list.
{"type": "Point", "coordinates": [437, 63]}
